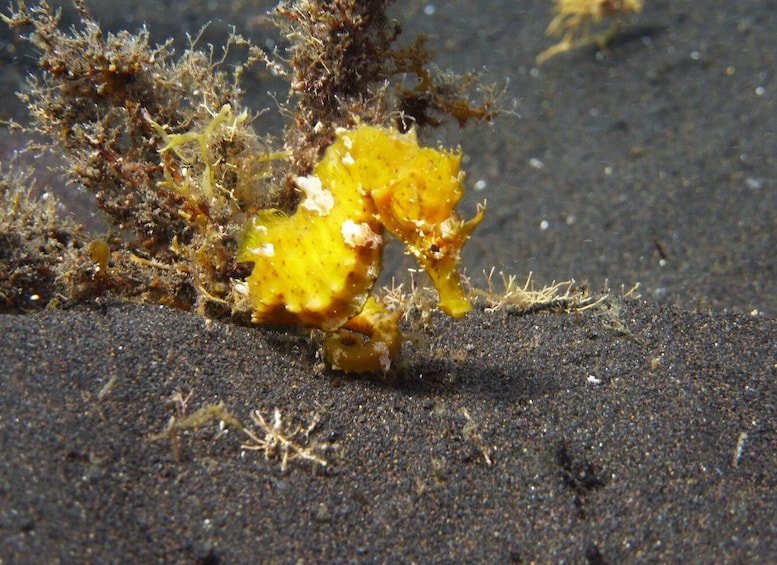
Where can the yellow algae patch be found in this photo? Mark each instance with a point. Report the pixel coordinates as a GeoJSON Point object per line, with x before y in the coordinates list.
{"type": "Point", "coordinates": [317, 267]}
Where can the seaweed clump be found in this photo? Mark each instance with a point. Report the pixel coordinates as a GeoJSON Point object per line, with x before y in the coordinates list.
{"type": "Point", "coordinates": [37, 247]}
{"type": "Point", "coordinates": [173, 202]}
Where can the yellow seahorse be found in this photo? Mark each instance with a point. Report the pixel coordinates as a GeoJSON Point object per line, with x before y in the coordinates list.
{"type": "Point", "coordinates": [316, 268]}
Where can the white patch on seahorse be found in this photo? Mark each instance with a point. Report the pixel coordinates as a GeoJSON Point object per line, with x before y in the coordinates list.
{"type": "Point", "coordinates": [266, 250]}
{"type": "Point", "coordinates": [360, 235]}
{"type": "Point", "coordinates": [450, 227]}
{"type": "Point", "coordinates": [317, 198]}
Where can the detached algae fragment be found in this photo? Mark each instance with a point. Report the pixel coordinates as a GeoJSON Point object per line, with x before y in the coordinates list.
{"type": "Point", "coordinates": [580, 17]}
{"type": "Point", "coordinates": [317, 267]}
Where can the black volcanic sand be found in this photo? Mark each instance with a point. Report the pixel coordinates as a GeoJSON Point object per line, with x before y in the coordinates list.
{"type": "Point", "coordinates": [638, 433]}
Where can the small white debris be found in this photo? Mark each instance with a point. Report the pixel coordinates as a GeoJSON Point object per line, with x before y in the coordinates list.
{"type": "Point", "coordinates": [739, 449]}
{"type": "Point", "coordinates": [429, 10]}
{"type": "Point", "coordinates": [593, 380]}
{"type": "Point", "coordinates": [544, 225]}
{"type": "Point", "coordinates": [384, 356]}
{"type": "Point", "coordinates": [535, 163]}
{"type": "Point", "coordinates": [241, 288]}
{"type": "Point", "coordinates": [480, 185]}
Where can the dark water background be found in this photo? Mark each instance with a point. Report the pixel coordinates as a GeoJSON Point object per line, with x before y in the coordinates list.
{"type": "Point", "coordinates": [654, 162]}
